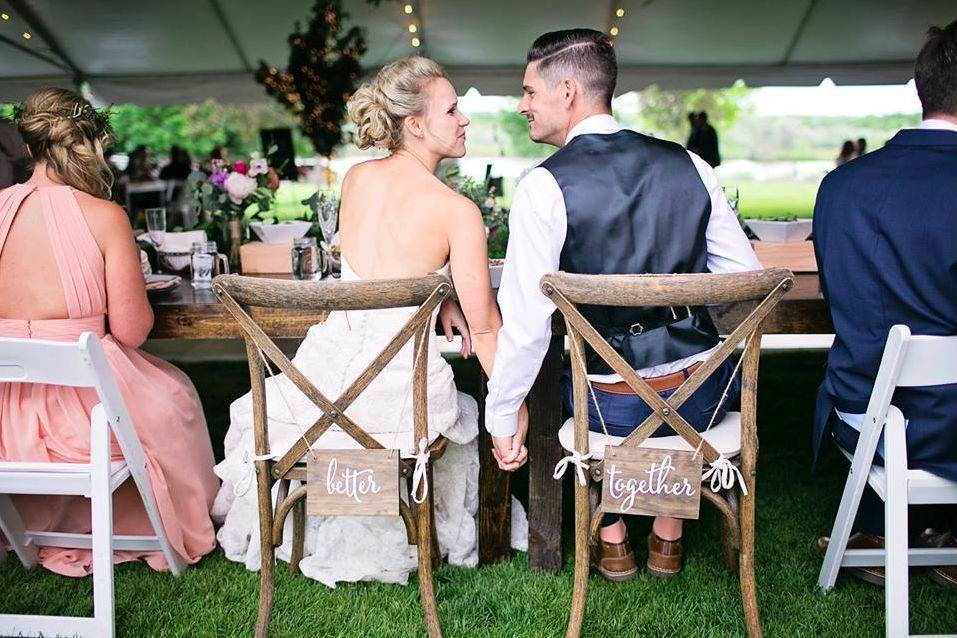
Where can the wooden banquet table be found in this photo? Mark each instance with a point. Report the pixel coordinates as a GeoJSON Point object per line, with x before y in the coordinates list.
{"type": "Point", "coordinates": [185, 313]}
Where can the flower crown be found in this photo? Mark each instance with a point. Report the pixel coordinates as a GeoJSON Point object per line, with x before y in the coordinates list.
{"type": "Point", "coordinates": [100, 118]}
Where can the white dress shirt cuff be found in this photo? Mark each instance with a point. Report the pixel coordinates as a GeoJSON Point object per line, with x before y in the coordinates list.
{"type": "Point", "coordinates": [501, 424]}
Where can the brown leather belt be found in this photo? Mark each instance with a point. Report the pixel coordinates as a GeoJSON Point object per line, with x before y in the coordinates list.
{"type": "Point", "coordinates": [663, 383]}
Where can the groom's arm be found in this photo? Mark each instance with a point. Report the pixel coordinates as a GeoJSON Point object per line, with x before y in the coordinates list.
{"type": "Point", "coordinates": [537, 226]}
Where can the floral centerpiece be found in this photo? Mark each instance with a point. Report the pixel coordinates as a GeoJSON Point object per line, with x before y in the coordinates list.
{"type": "Point", "coordinates": [494, 216]}
{"type": "Point", "coordinates": [222, 197]}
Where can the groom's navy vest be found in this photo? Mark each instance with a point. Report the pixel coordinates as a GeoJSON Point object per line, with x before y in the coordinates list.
{"type": "Point", "coordinates": [635, 205]}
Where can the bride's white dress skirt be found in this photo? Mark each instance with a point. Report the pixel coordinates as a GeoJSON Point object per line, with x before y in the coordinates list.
{"type": "Point", "coordinates": [353, 548]}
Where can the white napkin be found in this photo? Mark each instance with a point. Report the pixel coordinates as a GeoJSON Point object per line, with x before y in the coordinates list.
{"type": "Point", "coordinates": [177, 242]}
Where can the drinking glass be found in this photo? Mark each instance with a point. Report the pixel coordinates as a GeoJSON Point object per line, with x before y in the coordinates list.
{"type": "Point", "coordinates": [156, 225]}
{"type": "Point", "coordinates": [305, 259]}
{"type": "Point", "coordinates": [327, 214]}
{"type": "Point", "coordinates": [731, 193]}
{"type": "Point", "coordinates": [205, 263]}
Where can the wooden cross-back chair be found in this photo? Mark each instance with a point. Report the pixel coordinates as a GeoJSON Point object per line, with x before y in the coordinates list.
{"type": "Point", "coordinates": [238, 294]}
{"type": "Point", "coordinates": [735, 438]}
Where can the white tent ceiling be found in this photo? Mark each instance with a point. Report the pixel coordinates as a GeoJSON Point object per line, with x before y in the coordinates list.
{"type": "Point", "coordinates": [174, 51]}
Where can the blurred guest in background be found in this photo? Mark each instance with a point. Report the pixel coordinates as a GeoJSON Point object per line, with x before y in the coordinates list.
{"type": "Point", "coordinates": [860, 147]}
{"type": "Point", "coordinates": [141, 167]}
{"type": "Point", "coordinates": [708, 141]}
{"type": "Point", "coordinates": [14, 157]}
{"type": "Point", "coordinates": [180, 164]}
{"type": "Point", "coordinates": [694, 135]}
{"type": "Point", "coordinates": [847, 153]}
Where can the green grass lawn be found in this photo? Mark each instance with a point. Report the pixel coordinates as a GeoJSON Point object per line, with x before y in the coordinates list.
{"type": "Point", "coordinates": [218, 597]}
{"type": "Point", "coordinates": [775, 198]}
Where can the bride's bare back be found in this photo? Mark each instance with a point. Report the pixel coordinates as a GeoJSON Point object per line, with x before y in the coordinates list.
{"type": "Point", "coordinates": [396, 218]}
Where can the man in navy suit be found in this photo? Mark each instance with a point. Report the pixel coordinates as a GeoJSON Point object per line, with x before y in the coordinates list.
{"type": "Point", "coordinates": [885, 236]}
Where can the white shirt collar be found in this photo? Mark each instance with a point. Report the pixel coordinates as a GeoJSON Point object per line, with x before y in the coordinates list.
{"type": "Point", "coordinates": [603, 124]}
{"type": "Point", "coordinates": [937, 125]}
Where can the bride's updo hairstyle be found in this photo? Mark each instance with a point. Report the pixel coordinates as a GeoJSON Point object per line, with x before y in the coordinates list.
{"type": "Point", "coordinates": [63, 129]}
{"type": "Point", "coordinates": [380, 106]}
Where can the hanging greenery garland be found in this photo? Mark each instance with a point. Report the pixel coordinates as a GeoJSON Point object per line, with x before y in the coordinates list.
{"type": "Point", "coordinates": [322, 74]}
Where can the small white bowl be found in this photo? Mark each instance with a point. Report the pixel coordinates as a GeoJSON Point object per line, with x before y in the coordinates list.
{"type": "Point", "coordinates": [280, 233]}
{"type": "Point", "coordinates": [767, 230]}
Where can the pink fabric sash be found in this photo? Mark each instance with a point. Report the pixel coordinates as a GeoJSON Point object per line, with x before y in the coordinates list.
{"type": "Point", "coordinates": [53, 329]}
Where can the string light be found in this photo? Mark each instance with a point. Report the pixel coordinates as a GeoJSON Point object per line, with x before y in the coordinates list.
{"type": "Point", "coordinates": [408, 9]}
{"type": "Point", "coordinates": [416, 42]}
{"type": "Point", "coordinates": [413, 28]}
{"type": "Point", "coordinates": [26, 35]}
{"type": "Point", "coordinates": [620, 13]}
{"type": "Point", "coordinates": [613, 31]}
{"type": "Point", "coordinates": [4, 16]}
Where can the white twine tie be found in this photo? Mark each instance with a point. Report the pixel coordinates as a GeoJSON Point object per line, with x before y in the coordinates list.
{"type": "Point", "coordinates": [249, 473]}
{"type": "Point", "coordinates": [418, 474]}
{"type": "Point", "coordinates": [723, 474]}
{"type": "Point", "coordinates": [580, 461]}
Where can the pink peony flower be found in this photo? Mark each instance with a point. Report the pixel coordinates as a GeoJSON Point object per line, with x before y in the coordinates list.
{"type": "Point", "coordinates": [241, 168]}
{"type": "Point", "coordinates": [239, 187]}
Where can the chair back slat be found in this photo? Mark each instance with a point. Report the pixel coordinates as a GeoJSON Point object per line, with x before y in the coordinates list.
{"type": "Point", "coordinates": [666, 290]}
{"type": "Point", "coordinates": [52, 362]}
{"type": "Point", "coordinates": [567, 290]}
{"type": "Point", "coordinates": [329, 295]}
{"type": "Point", "coordinates": [237, 293]}
{"type": "Point", "coordinates": [929, 361]}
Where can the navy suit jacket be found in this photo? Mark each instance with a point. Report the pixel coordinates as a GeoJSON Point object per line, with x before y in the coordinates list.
{"type": "Point", "coordinates": [885, 236]}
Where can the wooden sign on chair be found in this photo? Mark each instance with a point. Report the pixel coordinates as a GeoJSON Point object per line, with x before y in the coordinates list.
{"type": "Point", "coordinates": [352, 483]}
{"type": "Point", "coordinates": [651, 482]}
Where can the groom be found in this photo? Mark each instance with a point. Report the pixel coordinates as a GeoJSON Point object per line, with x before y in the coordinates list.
{"type": "Point", "coordinates": [609, 201]}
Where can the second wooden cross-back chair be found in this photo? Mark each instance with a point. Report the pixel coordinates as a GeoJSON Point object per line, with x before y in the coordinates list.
{"type": "Point", "coordinates": [238, 294]}
{"type": "Point", "coordinates": [730, 447]}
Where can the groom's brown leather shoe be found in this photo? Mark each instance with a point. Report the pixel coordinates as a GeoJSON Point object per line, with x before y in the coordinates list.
{"type": "Point", "coordinates": [945, 575]}
{"type": "Point", "coordinates": [664, 557]}
{"type": "Point", "coordinates": [872, 575]}
{"type": "Point", "coordinates": [615, 561]}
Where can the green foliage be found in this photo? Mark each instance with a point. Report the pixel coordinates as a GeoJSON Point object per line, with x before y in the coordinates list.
{"type": "Point", "coordinates": [199, 128]}
{"type": "Point", "coordinates": [518, 144]}
{"type": "Point", "coordinates": [665, 113]}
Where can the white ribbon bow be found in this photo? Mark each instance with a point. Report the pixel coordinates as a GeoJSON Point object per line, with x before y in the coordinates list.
{"type": "Point", "coordinates": [418, 474]}
{"type": "Point", "coordinates": [580, 461]}
{"type": "Point", "coordinates": [723, 474]}
{"type": "Point", "coordinates": [240, 488]}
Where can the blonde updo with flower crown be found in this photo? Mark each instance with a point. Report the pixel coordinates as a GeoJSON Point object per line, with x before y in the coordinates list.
{"type": "Point", "coordinates": [380, 105]}
{"type": "Point", "coordinates": [64, 130]}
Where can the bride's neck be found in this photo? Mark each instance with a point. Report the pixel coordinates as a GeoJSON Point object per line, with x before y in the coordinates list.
{"type": "Point", "coordinates": [429, 160]}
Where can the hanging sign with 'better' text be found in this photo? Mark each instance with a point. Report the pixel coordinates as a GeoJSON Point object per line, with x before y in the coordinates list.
{"type": "Point", "coordinates": [352, 483]}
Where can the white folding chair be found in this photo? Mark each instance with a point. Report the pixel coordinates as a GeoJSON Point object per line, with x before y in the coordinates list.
{"type": "Point", "coordinates": [908, 361]}
{"type": "Point", "coordinates": [78, 364]}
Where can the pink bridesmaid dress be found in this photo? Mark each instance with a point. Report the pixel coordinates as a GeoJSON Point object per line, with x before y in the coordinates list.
{"type": "Point", "coordinates": [52, 423]}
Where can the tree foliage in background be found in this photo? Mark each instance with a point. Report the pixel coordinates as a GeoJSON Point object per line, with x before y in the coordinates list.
{"type": "Point", "coordinates": [322, 73]}
{"type": "Point", "coordinates": [665, 113]}
{"type": "Point", "coordinates": [515, 127]}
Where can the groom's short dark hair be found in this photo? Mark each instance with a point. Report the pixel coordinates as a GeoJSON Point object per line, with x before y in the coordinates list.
{"type": "Point", "coordinates": [936, 71]}
{"type": "Point", "coordinates": [586, 54]}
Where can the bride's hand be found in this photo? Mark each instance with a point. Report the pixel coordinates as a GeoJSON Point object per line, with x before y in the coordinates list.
{"type": "Point", "coordinates": [451, 317]}
{"type": "Point", "coordinates": [509, 451]}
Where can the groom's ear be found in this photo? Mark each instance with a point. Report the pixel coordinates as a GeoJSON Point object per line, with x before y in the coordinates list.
{"type": "Point", "coordinates": [570, 90]}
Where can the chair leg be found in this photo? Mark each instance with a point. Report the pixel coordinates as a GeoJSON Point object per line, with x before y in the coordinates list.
{"type": "Point", "coordinates": [749, 588]}
{"type": "Point", "coordinates": [436, 550]}
{"type": "Point", "coordinates": [16, 533]}
{"type": "Point", "coordinates": [728, 548]}
{"type": "Point", "coordinates": [101, 512]}
{"type": "Point", "coordinates": [423, 524]}
{"type": "Point", "coordinates": [896, 592]}
{"type": "Point", "coordinates": [298, 536]}
{"type": "Point", "coordinates": [267, 569]}
{"type": "Point", "coordinates": [582, 563]}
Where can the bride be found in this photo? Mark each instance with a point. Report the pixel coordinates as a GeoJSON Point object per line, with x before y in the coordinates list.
{"type": "Point", "coordinates": [396, 220]}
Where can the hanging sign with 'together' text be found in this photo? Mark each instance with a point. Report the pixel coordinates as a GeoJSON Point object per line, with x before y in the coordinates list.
{"type": "Point", "coordinates": [651, 482]}
{"type": "Point", "coordinates": [352, 483]}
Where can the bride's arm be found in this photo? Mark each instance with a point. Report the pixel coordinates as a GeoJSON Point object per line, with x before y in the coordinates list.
{"type": "Point", "coordinates": [468, 256]}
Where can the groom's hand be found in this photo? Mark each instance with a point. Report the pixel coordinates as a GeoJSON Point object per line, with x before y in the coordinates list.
{"type": "Point", "coordinates": [509, 451]}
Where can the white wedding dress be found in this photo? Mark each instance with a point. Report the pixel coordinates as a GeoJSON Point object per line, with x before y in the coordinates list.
{"type": "Point", "coordinates": [352, 548]}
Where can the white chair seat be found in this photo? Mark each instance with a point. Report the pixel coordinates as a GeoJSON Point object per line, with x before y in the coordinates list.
{"type": "Point", "coordinates": [55, 478]}
{"type": "Point", "coordinates": [923, 487]}
{"type": "Point", "coordinates": [725, 437]}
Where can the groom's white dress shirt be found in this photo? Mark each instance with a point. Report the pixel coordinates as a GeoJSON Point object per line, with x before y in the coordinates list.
{"type": "Point", "coordinates": [537, 227]}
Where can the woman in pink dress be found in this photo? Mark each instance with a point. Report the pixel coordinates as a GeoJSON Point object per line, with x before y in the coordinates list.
{"type": "Point", "coordinates": [68, 262]}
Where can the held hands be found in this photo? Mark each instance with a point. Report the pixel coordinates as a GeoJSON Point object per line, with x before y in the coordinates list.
{"type": "Point", "coordinates": [451, 317]}
{"type": "Point", "coordinates": [509, 451]}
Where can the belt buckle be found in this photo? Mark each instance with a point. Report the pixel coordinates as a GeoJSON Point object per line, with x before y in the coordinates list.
{"type": "Point", "coordinates": [632, 332]}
